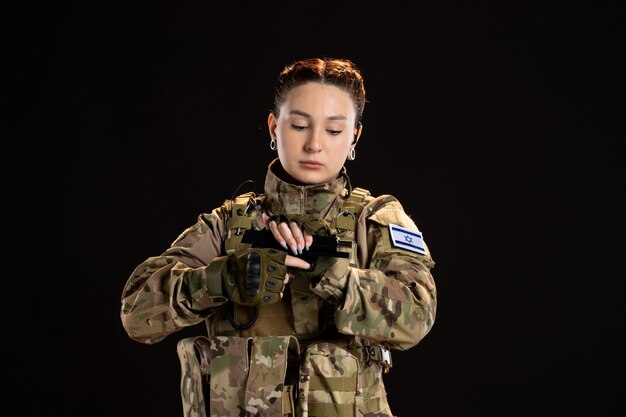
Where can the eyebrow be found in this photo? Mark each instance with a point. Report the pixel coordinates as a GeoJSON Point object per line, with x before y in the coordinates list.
{"type": "Point", "coordinates": [304, 114]}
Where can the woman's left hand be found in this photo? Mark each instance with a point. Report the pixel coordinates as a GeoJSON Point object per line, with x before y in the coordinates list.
{"type": "Point", "coordinates": [293, 237]}
{"type": "Point", "coordinates": [289, 235]}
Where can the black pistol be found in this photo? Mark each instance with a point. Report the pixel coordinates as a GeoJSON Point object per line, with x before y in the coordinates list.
{"type": "Point", "coordinates": [322, 245]}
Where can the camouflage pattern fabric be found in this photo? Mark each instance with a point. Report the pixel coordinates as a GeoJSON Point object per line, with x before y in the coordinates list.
{"type": "Point", "coordinates": [329, 383]}
{"type": "Point", "coordinates": [307, 222]}
{"type": "Point", "coordinates": [194, 374]}
{"type": "Point", "coordinates": [265, 385]}
{"type": "Point", "coordinates": [398, 287]}
{"type": "Point", "coordinates": [382, 295]}
{"type": "Point", "coordinates": [284, 198]}
{"type": "Point", "coordinates": [229, 370]}
{"type": "Point", "coordinates": [236, 387]}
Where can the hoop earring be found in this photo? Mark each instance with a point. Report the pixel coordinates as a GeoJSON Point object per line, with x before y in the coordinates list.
{"type": "Point", "coordinates": [273, 144]}
{"type": "Point", "coordinates": [352, 154]}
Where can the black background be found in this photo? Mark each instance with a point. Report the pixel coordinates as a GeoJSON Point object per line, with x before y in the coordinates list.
{"type": "Point", "coordinates": [495, 125]}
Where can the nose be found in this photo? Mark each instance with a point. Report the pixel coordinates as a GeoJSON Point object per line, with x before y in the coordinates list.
{"type": "Point", "coordinates": [313, 143]}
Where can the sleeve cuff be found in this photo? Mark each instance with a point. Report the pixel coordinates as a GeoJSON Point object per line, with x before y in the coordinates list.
{"type": "Point", "coordinates": [332, 285]}
{"type": "Point", "coordinates": [205, 284]}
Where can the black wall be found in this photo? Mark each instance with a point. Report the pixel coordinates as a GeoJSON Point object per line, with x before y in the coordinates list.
{"type": "Point", "coordinates": [494, 125]}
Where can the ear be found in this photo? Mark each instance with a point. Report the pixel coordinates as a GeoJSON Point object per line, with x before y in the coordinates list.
{"type": "Point", "coordinates": [357, 133]}
{"type": "Point", "coordinates": [271, 124]}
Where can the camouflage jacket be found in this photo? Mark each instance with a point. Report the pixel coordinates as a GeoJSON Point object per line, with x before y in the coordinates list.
{"type": "Point", "coordinates": [386, 295]}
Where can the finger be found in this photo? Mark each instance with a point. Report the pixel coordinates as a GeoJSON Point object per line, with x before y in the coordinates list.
{"type": "Point", "coordinates": [296, 231]}
{"type": "Point", "coordinates": [296, 262]}
{"type": "Point", "coordinates": [308, 240]}
{"type": "Point", "coordinates": [285, 231]}
{"type": "Point", "coordinates": [288, 277]}
{"type": "Point", "coordinates": [277, 235]}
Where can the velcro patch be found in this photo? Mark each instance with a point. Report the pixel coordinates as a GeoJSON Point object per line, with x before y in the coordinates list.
{"type": "Point", "coordinates": [401, 237]}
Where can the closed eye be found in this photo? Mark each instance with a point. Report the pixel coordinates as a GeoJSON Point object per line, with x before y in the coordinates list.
{"type": "Point", "coordinates": [298, 127]}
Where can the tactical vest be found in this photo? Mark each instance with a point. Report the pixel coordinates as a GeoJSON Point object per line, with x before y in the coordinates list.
{"type": "Point", "coordinates": [238, 220]}
{"type": "Point", "coordinates": [309, 314]}
{"type": "Point", "coordinates": [248, 373]}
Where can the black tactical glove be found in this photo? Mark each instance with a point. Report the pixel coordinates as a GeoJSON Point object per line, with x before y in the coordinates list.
{"type": "Point", "coordinates": [254, 277]}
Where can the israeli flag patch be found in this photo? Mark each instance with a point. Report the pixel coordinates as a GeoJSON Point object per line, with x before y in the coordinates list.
{"type": "Point", "coordinates": [401, 237]}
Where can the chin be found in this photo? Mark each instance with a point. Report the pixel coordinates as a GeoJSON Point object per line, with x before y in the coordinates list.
{"type": "Point", "coordinates": [308, 178]}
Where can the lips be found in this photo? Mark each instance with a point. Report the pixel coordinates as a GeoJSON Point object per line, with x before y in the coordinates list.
{"type": "Point", "coordinates": [311, 164]}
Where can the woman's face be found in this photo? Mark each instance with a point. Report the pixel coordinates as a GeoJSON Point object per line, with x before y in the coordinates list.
{"type": "Point", "coordinates": [314, 132]}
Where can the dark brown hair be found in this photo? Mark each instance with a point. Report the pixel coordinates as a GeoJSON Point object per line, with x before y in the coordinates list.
{"type": "Point", "coordinates": [341, 73]}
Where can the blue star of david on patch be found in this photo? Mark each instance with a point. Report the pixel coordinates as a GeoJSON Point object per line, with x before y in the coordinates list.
{"type": "Point", "coordinates": [404, 238]}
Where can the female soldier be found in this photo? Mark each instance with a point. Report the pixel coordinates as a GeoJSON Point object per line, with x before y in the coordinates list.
{"type": "Point", "coordinates": [305, 288]}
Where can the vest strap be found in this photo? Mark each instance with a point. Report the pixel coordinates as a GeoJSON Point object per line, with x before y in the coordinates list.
{"type": "Point", "coordinates": [288, 403]}
{"type": "Point", "coordinates": [374, 353]}
{"type": "Point", "coordinates": [331, 410]}
{"type": "Point", "coordinates": [349, 212]}
{"type": "Point", "coordinates": [332, 383]}
{"type": "Point", "coordinates": [238, 222]}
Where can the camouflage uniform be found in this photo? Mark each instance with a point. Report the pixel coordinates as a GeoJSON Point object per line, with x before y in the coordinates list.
{"type": "Point", "coordinates": [382, 296]}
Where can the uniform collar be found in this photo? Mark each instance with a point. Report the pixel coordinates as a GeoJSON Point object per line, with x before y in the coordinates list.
{"type": "Point", "coordinates": [282, 197]}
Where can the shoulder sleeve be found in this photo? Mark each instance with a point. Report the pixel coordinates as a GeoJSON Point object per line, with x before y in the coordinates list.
{"type": "Point", "coordinates": [401, 234]}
